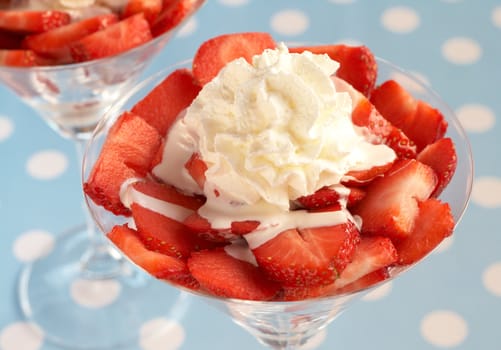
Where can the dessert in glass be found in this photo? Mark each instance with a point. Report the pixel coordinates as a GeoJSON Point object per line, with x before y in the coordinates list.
{"type": "Point", "coordinates": [69, 61]}
{"type": "Point", "coordinates": [278, 183]}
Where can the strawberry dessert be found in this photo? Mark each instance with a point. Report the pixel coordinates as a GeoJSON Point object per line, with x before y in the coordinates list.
{"type": "Point", "coordinates": [267, 172]}
{"type": "Point", "coordinates": [55, 32]}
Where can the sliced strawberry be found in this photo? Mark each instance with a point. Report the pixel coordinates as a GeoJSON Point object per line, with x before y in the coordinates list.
{"type": "Point", "coordinates": [433, 223]}
{"type": "Point", "coordinates": [308, 257]}
{"type": "Point", "coordinates": [126, 153]}
{"type": "Point", "coordinates": [202, 227]}
{"type": "Point", "coordinates": [390, 205]}
{"type": "Point", "coordinates": [164, 235]}
{"type": "Point", "coordinates": [327, 197]}
{"type": "Point", "coordinates": [380, 130]}
{"type": "Point", "coordinates": [371, 254]}
{"type": "Point", "coordinates": [441, 156]}
{"type": "Point", "coordinates": [56, 42]}
{"type": "Point", "coordinates": [196, 168]}
{"type": "Point", "coordinates": [172, 14]}
{"type": "Point", "coordinates": [157, 264]}
{"type": "Point", "coordinates": [18, 58]}
{"type": "Point", "coordinates": [163, 104]}
{"type": "Point", "coordinates": [25, 21]}
{"type": "Point", "coordinates": [169, 194]}
{"type": "Point", "coordinates": [365, 281]}
{"type": "Point", "coordinates": [358, 64]}
{"type": "Point", "coordinates": [150, 9]}
{"type": "Point", "coordinates": [114, 39]}
{"type": "Point", "coordinates": [243, 227]}
{"type": "Point", "coordinates": [216, 52]}
{"type": "Point", "coordinates": [226, 276]}
{"type": "Point", "coordinates": [422, 123]}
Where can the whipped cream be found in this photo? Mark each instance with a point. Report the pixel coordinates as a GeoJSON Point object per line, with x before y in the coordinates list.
{"type": "Point", "coordinates": [269, 132]}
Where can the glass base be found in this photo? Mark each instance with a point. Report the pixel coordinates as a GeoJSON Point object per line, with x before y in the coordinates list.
{"type": "Point", "coordinates": [78, 310]}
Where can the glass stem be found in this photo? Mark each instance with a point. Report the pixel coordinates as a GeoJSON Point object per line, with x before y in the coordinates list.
{"type": "Point", "coordinates": [100, 260]}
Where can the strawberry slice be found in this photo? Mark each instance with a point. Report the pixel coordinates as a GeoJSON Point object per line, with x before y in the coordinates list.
{"type": "Point", "coordinates": [381, 131]}
{"type": "Point", "coordinates": [422, 123]}
{"type": "Point", "coordinates": [216, 52]}
{"type": "Point", "coordinates": [56, 42]}
{"type": "Point", "coordinates": [172, 14]}
{"type": "Point", "coordinates": [226, 276]}
{"type": "Point", "coordinates": [202, 227]}
{"type": "Point", "coordinates": [390, 205]}
{"type": "Point", "coordinates": [164, 235]}
{"type": "Point", "coordinates": [150, 9]}
{"type": "Point", "coordinates": [126, 153]}
{"type": "Point", "coordinates": [365, 281]}
{"type": "Point", "coordinates": [169, 194]}
{"type": "Point", "coordinates": [433, 223]}
{"type": "Point", "coordinates": [327, 197]}
{"type": "Point", "coordinates": [20, 58]}
{"type": "Point", "coordinates": [196, 168]}
{"type": "Point", "coordinates": [157, 264]}
{"type": "Point", "coordinates": [371, 254]}
{"type": "Point", "coordinates": [163, 104]}
{"type": "Point", "coordinates": [25, 21]}
{"type": "Point", "coordinates": [114, 39]}
{"type": "Point", "coordinates": [358, 65]}
{"type": "Point", "coordinates": [441, 156]}
{"type": "Point", "coordinates": [308, 257]}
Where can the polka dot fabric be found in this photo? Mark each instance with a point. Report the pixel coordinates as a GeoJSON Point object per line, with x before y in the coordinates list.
{"type": "Point", "coordinates": [450, 301]}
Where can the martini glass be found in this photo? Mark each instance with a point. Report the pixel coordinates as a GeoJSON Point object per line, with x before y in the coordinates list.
{"type": "Point", "coordinates": [82, 265]}
{"type": "Point", "coordinates": [288, 325]}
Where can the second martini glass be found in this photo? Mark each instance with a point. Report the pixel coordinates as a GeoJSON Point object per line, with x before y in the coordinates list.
{"type": "Point", "coordinates": [288, 325]}
{"type": "Point", "coordinates": [82, 265]}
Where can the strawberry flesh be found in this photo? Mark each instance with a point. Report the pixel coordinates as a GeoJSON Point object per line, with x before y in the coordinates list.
{"type": "Point", "coordinates": [26, 21]}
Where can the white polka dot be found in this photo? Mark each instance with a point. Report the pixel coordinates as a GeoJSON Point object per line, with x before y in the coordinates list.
{"type": "Point", "coordinates": [411, 84]}
{"type": "Point", "coordinates": [161, 334]}
{"type": "Point", "coordinates": [496, 16]}
{"type": "Point", "coordinates": [476, 117]}
{"type": "Point", "coordinates": [492, 279]}
{"type": "Point", "coordinates": [46, 165]}
{"type": "Point", "coordinates": [342, 2]}
{"type": "Point", "coordinates": [95, 293]}
{"type": "Point", "coordinates": [444, 328]}
{"type": "Point", "coordinates": [350, 41]}
{"type": "Point", "coordinates": [444, 245]}
{"type": "Point", "coordinates": [379, 292]}
{"type": "Point", "coordinates": [400, 19]}
{"type": "Point", "coordinates": [32, 245]}
{"type": "Point", "coordinates": [234, 2]}
{"type": "Point", "coordinates": [290, 22]}
{"type": "Point", "coordinates": [188, 28]}
{"type": "Point", "coordinates": [21, 335]}
{"type": "Point", "coordinates": [486, 191]}
{"type": "Point", "coordinates": [6, 128]}
{"type": "Point", "coordinates": [315, 341]}
{"type": "Point", "coordinates": [461, 50]}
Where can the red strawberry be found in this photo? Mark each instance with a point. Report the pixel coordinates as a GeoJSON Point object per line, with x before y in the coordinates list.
{"type": "Point", "coordinates": [172, 14]}
{"type": "Point", "coordinates": [196, 168]}
{"type": "Point", "coordinates": [32, 21]}
{"type": "Point", "coordinates": [126, 153]}
{"type": "Point", "coordinates": [381, 130]}
{"type": "Point", "coordinates": [371, 254]}
{"type": "Point", "coordinates": [441, 156]}
{"type": "Point", "coordinates": [202, 227]}
{"type": "Point", "coordinates": [114, 39]}
{"type": "Point", "coordinates": [327, 197]}
{"type": "Point", "coordinates": [433, 223]}
{"type": "Point", "coordinates": [169, 194]}
{"type": "Point", "coordinates": [56, 42]}
{"type": "Point", "coordinates": [308, 257]}
{"type": "Point", "coordinates": [422, 123]}
{"type": "Point", "coordinates": [226, 276]}
{"type": "Point", "coordinates": [19, 58]}
{"type": "Point", "coordinates": [215, 53]}
{"type": "Point", "coordinates": [163, 104]}
{"type": "Point", "coordinates": [150, 8]}
{"type": "Point", "coordinates": [358, 65]}
{"type": "Point", "coordinates": [365, 281]}
{"type": "Point", "coordinates": [164, 235]}
{"type": "Point", "coordinates": [390, 205]}
{"type": "Point", "coordinates": [157, 264]}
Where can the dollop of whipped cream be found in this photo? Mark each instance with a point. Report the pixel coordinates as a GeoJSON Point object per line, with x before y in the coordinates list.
{"type": "Point", "coordinates": [269, 132]}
